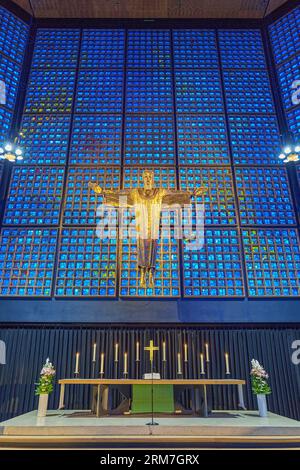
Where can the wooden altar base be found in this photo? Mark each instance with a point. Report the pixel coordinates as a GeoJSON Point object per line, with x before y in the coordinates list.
{"type": "Point", "coordinates": [81, 429]}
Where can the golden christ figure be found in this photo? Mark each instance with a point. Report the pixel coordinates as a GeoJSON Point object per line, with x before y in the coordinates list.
{"type": "Point", "coordinates": [147, 202]}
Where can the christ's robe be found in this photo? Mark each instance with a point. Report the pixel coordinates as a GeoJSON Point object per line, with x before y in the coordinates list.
{"type": "Point", "coordinates": [148, 206]}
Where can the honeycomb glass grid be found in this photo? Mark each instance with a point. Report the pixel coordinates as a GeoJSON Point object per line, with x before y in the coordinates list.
{"type": "Point", "coordinates": [195, 49]}
{"type": "Point", "coordinates": [289, 73]}
{"type": "Point", "coordinates": [248, 91]}
{"type": "Point", "coordinates": [149, 91]}
{"type": "Point", "coordinates": [293, 118]}
{"type": "Point", "coordinates": [27, 259]}
{"type": "Point", "coordinates": [149, 139]}
{"type": "Point", "coordinates": [96, 139]}
{"type": "Point", "coordinates": [264, 196]}
{"type": "Point", "coordinates": [13, 36]}
{"type": "Point", "coordinates": [164, 177]}
{"type": "Point", "coordinates": [255, 139]}
{"type": "Point", "coordinates": [167, 279]}
{"type": "Point", "coordinates": [285, 36]}
{"type": "Point", "coordinates": [45, 138]}
{"type": "Point", "coordinates": [99, 91]}
{"type": "Point", "coordinates": [80, 205]}
{"type": "Point", "coordinates": [50, 91]}
{"type": "Point", "coordinates": [5, 124]}
{"type": "Point", "coordinates": [148, 48]}
{"type": "Point", "coordinates": [34, 196]}
{"type": "Point", "coordinates": [87, 266]}
{"type": "Point", "coordinates": [10, 73]}
{"type": "Point", "coordinates": [298, 173]}
{"type": "Point", "coordinates": [241, 49]}
{"type": "Point", "coordinates": [219, 199]}
{"type": "Point", "coordinates": [103, 48]}
{"type": "Point", "coordinates": [215, 270]}
{"type": "Point", "coordinates": [202, 139]}
{"type": "Point", "coordinates": [272, 262]}
{"type": "Point", "coordinates": [198, 91]}
{"type": "Point", "coordinates": [56, 48]}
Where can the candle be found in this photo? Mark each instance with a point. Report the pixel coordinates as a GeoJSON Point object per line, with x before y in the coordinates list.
{"type": "Point", "coordinates": [77, 364]}
{"type": "Point", "coordinates": [202, 363]}
{"type": "Point", "coordinates": [164, 352]}
{"type": "Point", "coordinates": [185, 353]}
{"type": "Point", "coordinates": [102, 364]}
{"type": "Point", "coordinates": [116, 352]}
{"type": "Point", "coordinates": [227, 363]}
{"type": "Point", "coordinates": [207, 352]}
{"type": "Point", "coordinates": [125, 364]}
{"type": "Point", "coordinates": [179, 371]}
{"type": "Point", "coordinates": [94, 352]}
{"type": "Point", "coordinates": [137, 351]}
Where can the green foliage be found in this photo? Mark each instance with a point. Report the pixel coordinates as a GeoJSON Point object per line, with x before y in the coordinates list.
{"type": "Point", "coordinates": [260, 386]}
{"type": "Point", "coordinates": [45, 384]}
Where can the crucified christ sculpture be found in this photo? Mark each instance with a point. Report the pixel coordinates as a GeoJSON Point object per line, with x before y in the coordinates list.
{"type": "Point", "coordinates": [147, 202]}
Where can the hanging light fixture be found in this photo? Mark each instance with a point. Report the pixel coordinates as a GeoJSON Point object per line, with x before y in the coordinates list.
{"type": "Point", "coordinates": [291, 153]}
{"type": "Point", "coordinates": [11, 152]}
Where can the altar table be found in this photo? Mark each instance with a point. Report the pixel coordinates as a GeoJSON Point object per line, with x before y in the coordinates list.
{"type": "Point", "coordinates": [103, 385]}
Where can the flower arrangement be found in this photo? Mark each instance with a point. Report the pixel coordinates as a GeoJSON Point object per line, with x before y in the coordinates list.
{"type": "Point", "coordinates": [45, 383]}
{"type": "Point", "coordinates": [259, 379]}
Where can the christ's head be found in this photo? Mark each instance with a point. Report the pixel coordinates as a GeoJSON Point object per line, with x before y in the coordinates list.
{"type": "Point", "coordinates": [148, 179]}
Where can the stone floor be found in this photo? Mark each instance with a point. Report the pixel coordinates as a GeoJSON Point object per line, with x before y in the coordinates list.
{"type": "Point", "coordinates": [219, 423]}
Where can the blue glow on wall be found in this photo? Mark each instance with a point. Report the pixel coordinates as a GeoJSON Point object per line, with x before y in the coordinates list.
{"type": "Point", "coordinates": [193, 105]}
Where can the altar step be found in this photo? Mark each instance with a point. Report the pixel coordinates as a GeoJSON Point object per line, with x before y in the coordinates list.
{"type": "Point", "coordinates": [80, 429]}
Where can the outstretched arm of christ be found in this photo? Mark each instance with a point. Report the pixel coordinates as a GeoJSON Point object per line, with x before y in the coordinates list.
{"type": "Point", "coordinates": [182, 197]}
{"type": "Point", "coordinates": [113, 197]}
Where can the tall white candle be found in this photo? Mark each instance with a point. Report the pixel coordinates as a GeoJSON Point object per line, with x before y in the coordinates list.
{"type": "Point", "coordinates": [137, 353]}
{"type": "Point", "coordinates": [94, 352]}
{"type": "Point", "coordinates": [185, 353]}
{"type": "Point", "coordinates": [77, 363]}
{"type": "Point", "coordinates": [179, 370]}
{"type": "Point", "coordinates": [116, 352]}
{"type": "Point", "coordinates": [125, 363]}
{"type": "Point", "coordinates": [202, 363]}
{"type": "Point", "coordinates": [227, 363]}
{"type": "Point", "coordinates": [102, 364]}
{"type": "Point", "coordinates": [207, 352]}
{"type": "Point", "coordinates": [164, 352]}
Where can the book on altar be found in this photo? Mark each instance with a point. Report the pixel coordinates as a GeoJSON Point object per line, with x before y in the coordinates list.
{"type": "Point", "coordinates": [154, 376]}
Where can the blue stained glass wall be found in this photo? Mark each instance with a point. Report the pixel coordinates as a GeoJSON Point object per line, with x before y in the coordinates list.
{"type": "Point", "coordinates": [194, 105]}
{"type": "Point", "coordinates": [13, 42]}
{"type": "Point", "coordinates": [285, 40]}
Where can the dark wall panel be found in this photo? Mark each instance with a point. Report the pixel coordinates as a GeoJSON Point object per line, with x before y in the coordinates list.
{"type": "Point", "coordinates": [28, 347]}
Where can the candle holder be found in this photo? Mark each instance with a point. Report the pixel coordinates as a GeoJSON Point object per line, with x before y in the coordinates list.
{"type": "Point", "coordinates": [125, 374]}
{"type": "Point", "coordinates": [137, 368]}
{"type": "Point", "coordinates": [101, 374]}
{"type": "Point", "coordinates": [76, 375]}
{"type": "Point", "coordinates": [116, 369]}
{"type": "Point", "coordinates": [93, 369]}
{"type": "Point", "coordinates": [164, 369]}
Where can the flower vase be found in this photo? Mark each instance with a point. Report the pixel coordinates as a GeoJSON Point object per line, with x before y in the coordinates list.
{"type": "Point", "coordinates": [262, 405]}
{"type": "Point", "coordinates": [43, 404]}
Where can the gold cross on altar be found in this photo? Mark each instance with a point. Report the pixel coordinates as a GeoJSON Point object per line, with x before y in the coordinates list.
{"type": "Point", "coordinates": [151, 349]}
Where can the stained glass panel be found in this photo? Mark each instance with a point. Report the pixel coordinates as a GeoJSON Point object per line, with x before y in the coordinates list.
{"type": "Point", "coordinates": [34, 196]}
{"type": "Point", "coordinates": [202, 139]}
{"type": "Point", "coordinates": [27, 261]}
{"type": "Point", "coordinates": [149, 139]}
{"type": "Point", "coordinates": [264, 196]}
{"type": "Point", "coordinates": [215, 270]}
{"type": "Point", "coordinates": [87, 266]}
{"type": "Point", "coordinates": [272, 262]}
{"type": "Point", "coordinates": [96, 139]}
